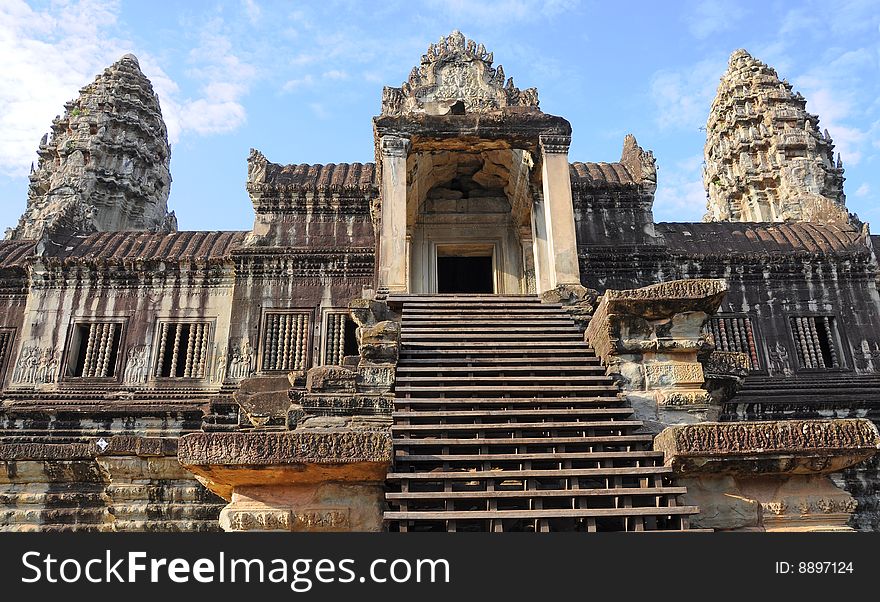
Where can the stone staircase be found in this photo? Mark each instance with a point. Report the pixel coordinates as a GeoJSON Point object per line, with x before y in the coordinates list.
{"type": "Point", "coordinates": [505, 421]}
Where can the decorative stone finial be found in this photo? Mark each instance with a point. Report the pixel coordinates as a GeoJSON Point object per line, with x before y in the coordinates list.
{"type": "Point", "coordinates": [456, 70]}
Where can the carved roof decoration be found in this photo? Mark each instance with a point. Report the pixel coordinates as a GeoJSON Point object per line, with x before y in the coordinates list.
{"type": "Point", "coordinates": [456, 69]}
{"type": "Point", "coordinates": [637, 167]}
{"type": "Point", "coordinates": [761, 239]}
{"type": "Point", "coordinates": [600, 175]}
{"type": "Point", "coordinates": [333, 177]}
{"type": "Point", "coordinates": [765, 158]}
{"type": "Point", "coordinates": [15, 253]}
{"type": "Point", "coordinates": [113, 247]}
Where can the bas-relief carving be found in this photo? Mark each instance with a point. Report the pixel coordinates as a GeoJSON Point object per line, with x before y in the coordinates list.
{"type": "Point", "coordinates": [36, 366]}
{"type": "Point", "coordinates": [218, 374]}
{"type": "Point", "coordinates": [668, 374]}
{"type": "Point", "coordinates": [241, 360]}
{"type": "Point", "coordinates": [787, 435]}
{"type": "Point", "coordinates": [779, 360]}
{"type": "Point", "coordinates": [137, 365]}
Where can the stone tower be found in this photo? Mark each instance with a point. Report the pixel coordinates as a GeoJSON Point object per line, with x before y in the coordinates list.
{"type": "Point", "coordinates": [105, 165]}
{"type": "Point", "coordinates": [765, 159]}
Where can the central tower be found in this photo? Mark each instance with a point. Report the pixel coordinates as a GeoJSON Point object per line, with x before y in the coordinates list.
{"type": "Point", "coordinates": [475, 191]}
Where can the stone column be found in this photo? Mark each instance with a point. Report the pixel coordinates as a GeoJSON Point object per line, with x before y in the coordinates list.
{"type": "Point", "coordinates": [559, 212]}
{"type": "Point", "coordinates": [540, 247]}
{"type": "Point", "coordinates": [392, 234]}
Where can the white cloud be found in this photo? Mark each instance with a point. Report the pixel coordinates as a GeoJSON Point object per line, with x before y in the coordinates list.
{"type": "Point", "coordinates": [253, 11]}
{"type": "Point", "coordinates": [863, 190]}
{"type": "Point", "coordinates": [680, 194]}
{"type": "Point", "coordinates": [292, 85]}
{"type": "Point", "coordinates": [50, 53]}
{"type": "Point", "coordinates": [494, 12]}
{"type": "Point", "coordinates": [683, 97]}
{"type": "Point", "coordinates": [209, 117]}
{"type": "Point", "coordinates": [708, 17]}
{"type": "Point", "coordinates": [47, 56]}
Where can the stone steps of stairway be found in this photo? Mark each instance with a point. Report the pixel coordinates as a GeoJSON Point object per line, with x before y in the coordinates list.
{"type": "Point", "coordinates": [538, 513]}
{"type": "Point", "coordinates": [597, 401]}
{"type": "Point", "coordinates": [494, 323]}
{"type": "Point", "coordinates": [506, 391]}
{"type": "Point", "coordinates": [514, 369]}
{"type": "Point", "coordinates": [541, 493]}
{"type": "Point", "coordinates": [520, 458]}
{"type": "Point", "coordinates": [505, 420]}
{"type": "Point", "coordinates": [488, 359]}
{"type": "Point", "coordinates": [511, 413]}
{"type": "Point", "coordinates": [641, 442]}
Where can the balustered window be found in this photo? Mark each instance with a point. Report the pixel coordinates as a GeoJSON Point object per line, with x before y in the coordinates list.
{"type": "Point", "coordinates": [285, 342]}
{"type": "Point", "coordinates": [736, 333]}
{"type": "Point", "coordinates": [816, 342]}
{"type": "Point", "coordinates": [339, 338]}
{"type": "Point", "coordinates": [5, 349]}
{"type": "Point", "coordinates": [182, 350]}
{"type": "Point", "coordinates": [94, 350]}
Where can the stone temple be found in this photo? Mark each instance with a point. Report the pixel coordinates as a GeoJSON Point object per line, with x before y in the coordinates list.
{"type": "Point", "coordinates": [472, 333]}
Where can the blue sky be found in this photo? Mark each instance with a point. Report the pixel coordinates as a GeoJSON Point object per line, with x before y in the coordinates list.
{"type": "Point", "coordinates": [301, 80]}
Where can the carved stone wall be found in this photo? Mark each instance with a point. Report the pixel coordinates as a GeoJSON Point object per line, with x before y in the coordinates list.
{"type": "Point", "coordinates": [105, 166]}
{"type": "Point", "coordinates": [765, 159]}
{"type": "Point", "coordinates": [133, 484]}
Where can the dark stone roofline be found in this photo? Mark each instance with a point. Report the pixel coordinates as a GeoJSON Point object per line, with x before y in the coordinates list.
{"type": "Point", "coordinates": [756, 238]}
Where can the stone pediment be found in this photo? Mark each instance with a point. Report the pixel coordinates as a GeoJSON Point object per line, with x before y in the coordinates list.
{"type": "Point", "coordinates": [456, 74]}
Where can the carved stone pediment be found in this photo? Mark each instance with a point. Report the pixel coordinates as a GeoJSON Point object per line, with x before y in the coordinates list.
{"type": "Point", "coordinates": [455, 70]}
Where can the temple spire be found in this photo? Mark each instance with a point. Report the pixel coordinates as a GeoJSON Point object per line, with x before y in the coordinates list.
{"type": "Point", "coordinates": [105, 165]}
{"type": "Point", "coordinates": [765, 158]}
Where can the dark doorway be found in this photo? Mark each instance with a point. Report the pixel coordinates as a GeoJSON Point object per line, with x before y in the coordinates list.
{"type": "Point", "coordinates": [465, 275]}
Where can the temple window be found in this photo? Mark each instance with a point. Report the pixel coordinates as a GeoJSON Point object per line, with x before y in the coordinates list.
{"type": "Point", "coordinates": [182, 350]}
{"type": "Point", "coordinates": [736, 333]}
{"type": "Point", "coordinates": [285, 341]}
{"type": "Point", "coordinates": [5, 348]}
{"type": "Point", "coordinates": [339, 338]}
{"type": "Point", "coordinates": [816, 342]}
{"type": "Point", "coordinates": [94, 350]}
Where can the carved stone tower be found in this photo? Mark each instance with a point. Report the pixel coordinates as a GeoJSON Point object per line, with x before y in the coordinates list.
{"type": "Point", "coordinates": [765, 159]}
{"type": "Point", "coordinates": [105, 165]}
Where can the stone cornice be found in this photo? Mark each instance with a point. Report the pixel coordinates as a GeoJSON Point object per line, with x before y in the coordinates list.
{"type": "Point", "coordinates": [771, 447]}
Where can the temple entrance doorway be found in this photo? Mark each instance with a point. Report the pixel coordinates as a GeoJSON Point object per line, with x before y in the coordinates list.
{"type": "Point", "coordinates": [465, 270]}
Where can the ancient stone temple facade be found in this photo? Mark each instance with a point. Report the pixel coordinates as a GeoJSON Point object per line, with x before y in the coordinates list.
{"type": "Point", "coordinates": [472, 332]}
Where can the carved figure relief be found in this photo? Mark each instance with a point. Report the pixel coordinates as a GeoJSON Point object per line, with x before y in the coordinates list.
{"type": "Point", "coordinates": [36, 366]}
{"type": "Point", "coordinates": [137, 365]}
{"type": "Point", "coordinates": [779, 362]}
{"type": "Point", "coordinates": [241, 364]}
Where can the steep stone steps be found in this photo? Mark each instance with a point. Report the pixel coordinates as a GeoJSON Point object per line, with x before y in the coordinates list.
{"type": "Point", "coordinates": [505, 421]}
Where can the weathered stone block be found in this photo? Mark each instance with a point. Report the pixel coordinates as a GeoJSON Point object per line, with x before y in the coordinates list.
{"type": "Point", "coordinates": [330, 379]}
{"type": "Point", "coordinates": [264, 399]}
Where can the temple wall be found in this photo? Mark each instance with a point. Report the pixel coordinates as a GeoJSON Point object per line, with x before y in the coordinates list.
{"type": "Point", "coordinates": [770, 290]}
